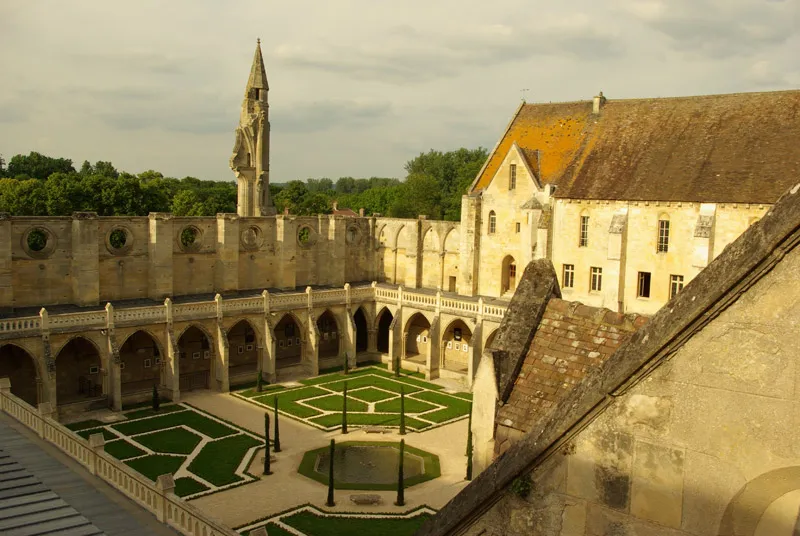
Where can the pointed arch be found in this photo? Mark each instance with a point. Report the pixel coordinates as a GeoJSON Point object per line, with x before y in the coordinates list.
{"type": "Point", "coordinates": [289, 341]}
{"type": "Point", "coordinates": [330, 335]}
{"type": "Point", "coordinates": [451, 247]}
{"type": "Point", "coordinates": [508, 278]}
{"type": "Point", "coordinates": [362, 330]}
{"type": "Point", "coordinates": [385, 318]}
{"type": "Point", "coordinates": [456, 345]}
{"type": "Point", "coordinates": [430, 268]}
{"type": "Point", "coordinates": [19, 366]}
{"type": "Point", "coordinates": [78, 375]}
{"type": "Point", "coordinates": [417, 337]}
{"type": "Point", "coordinates": [400, 259]}
{"type": "Point", "coordinates": [142, 356]}
{"type": "Point", "coordinates": [196, 349]}
{"type": "Point", "coordinates": [243, 348]}
{"type": "Point", "coordinates": [490, 339]}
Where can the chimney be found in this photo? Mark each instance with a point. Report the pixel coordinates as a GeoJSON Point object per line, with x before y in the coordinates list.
{"type": "Point", "coordinates": [598, 103]}
{"type": "Point", "coordinates": [361, 212]}
{"type": "Point", "coordinates": [335, 205]}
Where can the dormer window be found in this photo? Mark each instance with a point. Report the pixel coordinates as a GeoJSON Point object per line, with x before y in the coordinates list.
{"type": "Point", "coordinates": [512, 177]}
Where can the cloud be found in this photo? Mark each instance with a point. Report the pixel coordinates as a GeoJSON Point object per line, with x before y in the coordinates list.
{"type": "Point", "coordinates": [719, 28]}
{"type": "Point", "coordinates": [319, 116]}
{"type": "Point", "coordinates": [408, 56]}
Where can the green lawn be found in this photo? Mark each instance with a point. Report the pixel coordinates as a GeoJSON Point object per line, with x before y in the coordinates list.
{"type": "Point", "coordinates": [108, 436]}
{"type": "Point", "coordinates": [156, 465]}
{"type": "Point", "coordinates": [91, 423]}
{"type": "Point", "coordinates": [312, 524]}
{"type": "Point", "coordinates": [139, 413]}
{"type": "Point", "coordinates": [455, 406]}
{"type": "Point", "coordinates": [369, 419]}
{"type": "Point", "coordinates": [122, 450]}
{"type": "Point", "coordinates": [410, 405]}
{"type": "Point", "coordinates": [336, 403]}
{"type": "Point", "coordinates": [170, 441]}
{"type": "Point", "coordinates": [217, 461]}
{"type": "Point", "coordinates": [369, 394]}
{"type": "Point", "coordinates": [193, 420]}
{"type": "Point", "coordinates": [373, 381]}
{"type": "Point", "coordinates": [188, 486]}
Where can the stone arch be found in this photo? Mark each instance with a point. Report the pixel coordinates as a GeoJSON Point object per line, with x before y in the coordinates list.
{"type": "Point", "coordinates": [78, 371]}
{"type": "Point", "coordinates": [330, 334]}
{"type": "Point", "coordinates": [456, 346]}
{"type": "Point", "coordinates": [142, 356]}
{"type": "Point", "coordinates": [362, 330]}
{"type": "Point", "coordinates": [243, 345]}
{"type": "Point", "coordinates": [508, 277]}
{"type": "Point", "coordinates": [384, 321]}
{"type": "Point", "coordinates": [196, 348]}
{"type": "Point", "coordinates": [431, 261]}
{"type": "Point", "coordinates": [400, 259]}
{"type": "Point", "coordinates": [23, 370]}
{"type": "Point", "coordinates": [417, 338]}
{"type": "Point", "coordinates": [744, 511]}
{"type": "Point", "coordinates": [490, 339]}
{"type": "Point", "coordinates": [289, 341]}
{"type": "Point", "coordinates": [451, 246]}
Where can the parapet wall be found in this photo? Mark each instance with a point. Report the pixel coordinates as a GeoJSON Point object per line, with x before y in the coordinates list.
{"type": "Point", "coordinates": [80, 259]}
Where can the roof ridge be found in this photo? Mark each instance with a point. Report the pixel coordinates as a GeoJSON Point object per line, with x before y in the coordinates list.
{"type": "Point", "coordinates": [673, 97]}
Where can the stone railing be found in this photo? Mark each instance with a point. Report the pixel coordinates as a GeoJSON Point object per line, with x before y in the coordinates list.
{"type": "Point", "coordinates": [219, 307]}
{"type": "Point", "coordinates": [157, 498]}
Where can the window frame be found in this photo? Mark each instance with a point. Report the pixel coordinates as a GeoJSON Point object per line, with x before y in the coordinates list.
{"type": "Point", "coordinates": [568, 276]}
{"type": "Point", "coordinates": [644, 283]}
{"type": "Point", "coordinates": [662, 242]}
{"type": "Point", "coordinates": [583, 232]}
{"type": "Point", "coordinates": [673, 282]}
{"type": "Point", "coordinates": [512, 177]}
{"type": "Point", "coordinates": [595, 276]}
{"type": "Point", "coordinates": [492, 228]}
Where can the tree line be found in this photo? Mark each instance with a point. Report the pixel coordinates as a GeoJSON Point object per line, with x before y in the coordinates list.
{"type": "Point", "coordinates": [40, 185]}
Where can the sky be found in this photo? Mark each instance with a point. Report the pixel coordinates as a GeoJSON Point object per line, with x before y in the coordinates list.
{"type": "Point", "coordinates": [357, 87]}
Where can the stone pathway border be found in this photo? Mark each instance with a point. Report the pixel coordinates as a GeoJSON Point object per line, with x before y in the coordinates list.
{"type": "Point", "coordinates": [276, 519]}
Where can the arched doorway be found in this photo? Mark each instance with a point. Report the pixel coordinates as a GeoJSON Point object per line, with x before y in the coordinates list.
{"type": "Point", "coordinates": [456, 345]}
{"type": "Point", "coordinates": [384, 323]}
{"type": "Point", "coordinates": [195, 361]}
{"type": "Point", "coordinates": [78, 374]}
{"type": "Point", "coordinates": [509, 278]}
{"type": "Point", "coordinates": [417, 339]}
{"type": "Point", "coordinates": [140, 363]}
{"type": "Point", "coordinates": [328, 335]}
{"type": "Point", "coordinates": [242, 350]}
{"type": "Point", "coordinates": [362, 332]}
{"type": "Point", "coordinates": [20, 368]}
{"type": "Point", "coordinates": [288, 342]}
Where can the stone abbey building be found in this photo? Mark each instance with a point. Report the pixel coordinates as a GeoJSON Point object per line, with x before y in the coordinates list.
{"type": "Point", "coordinates": [628, 199]}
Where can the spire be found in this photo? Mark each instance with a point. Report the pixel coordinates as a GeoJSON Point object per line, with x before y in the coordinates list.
{"type": "Point", "coordinates": [258, 74]}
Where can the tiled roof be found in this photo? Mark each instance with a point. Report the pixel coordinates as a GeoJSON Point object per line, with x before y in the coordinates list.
{"type": "Point", "coordinates": [571, 340]}
{"type": "Point", "coordinates": [737, 148]}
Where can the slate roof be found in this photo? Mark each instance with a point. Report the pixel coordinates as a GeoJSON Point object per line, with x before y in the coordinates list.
{"type": "Point", "coordinates": [740, 265]}
{"type": "Point", "coordinates": [571, 340]}
{"type": "Point", "coordinates": [736, 148]}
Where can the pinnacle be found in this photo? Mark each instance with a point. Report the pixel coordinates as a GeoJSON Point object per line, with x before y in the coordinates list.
{"type": "Point", "coordinates": [258, 74]}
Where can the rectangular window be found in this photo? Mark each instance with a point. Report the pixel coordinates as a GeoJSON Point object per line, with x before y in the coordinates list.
{"type": "Point", "coordinates": [568, 278]}
{"type": "Point", "coordinates": [512, 177]}
{"type": "Point", "coordinates": [597, 279]}
{"type": "Point", "coordinates": [584, 237]}
{"type": "Point", "coordinates": [675, 285]}
{"type": "Point", "coordinates": [518, 226]}
{"type": "Point", "coordinates": [643, 288]}
{"type": "Point", "coordinates": [663, 236]}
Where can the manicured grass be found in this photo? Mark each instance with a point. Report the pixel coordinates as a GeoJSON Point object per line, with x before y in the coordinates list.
{"type": "Point", "coordinates": [188, 418]}
{"type": "Point", "coordinates": [369, 419]}
{"type": "Point", "coordinates": [326, 378]}
{"type": "Point", "coordinates": [465, 396]}
{"type": "Point", "coordinates": [251, 392]}
{"type": "Point", "coordinates": [373, 380]}
{"type": "Point", "coordinates": [163, 410]}
{"type": "Point", "coordinates": [335, 403]}
{"type": "Point", "coordinates": [312, 524]}
{"type": "Point", "coordinates": [91, 423]}
{"type": "Point", "coordinates": [146, 404]}
{"type": "Point", "coordinates": [217, 461]}
{"type": "Point", "coordinates": [411, 406]}
{"type": "Point", "coordinates": [122, 450]}
{"type": "Point", "coordinates": [410, 381]}
{"type": "Point", "coordinates": [370, 394]}
{"type": "Point", "coordinates": [156, 465]}
{"type": "Point", "coordinates": [273, 530]}
{"type": "Point", "coordinates": [287, 401]}
{"type": "Point", "coordinates": [188, 486]}
{"type": "Point", "coordinates": [170, 441]}
{"type": "Point", "coordinates": [107, 435]}
{"type": "Point", "coordinates": [455, 406]}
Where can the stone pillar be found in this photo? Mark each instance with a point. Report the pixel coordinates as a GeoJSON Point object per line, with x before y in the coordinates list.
{"type": "Point", "coordinates": [372, 340]}
{"type": "Point", "coordinates": [475, 352]}
{"type": "Point", "coordinates": [350, 336]}
{"type": "Point", "coordinates": [5, 392]}
{"type": "Point", "coordinates": [703, 242]}
{"type": "Point", "coordinates": [114, 372]}
{"type": "Point", "coordinates": [172, 366]}
{"type": "Point", "coordinates": [334, 267]}
{"type": "Point", "coordinates": [46, 391]}
{"type": "Point", "coordinates": [484, 404]}
{"type": "Point", "coordinates": [413, 256]}
{"type": "Point", "coordinates": [310, 357]}
{"type": "Point", "coordinates": [226, 267]}
{"type": "Point", "coordinates": [6, 249]}
{"type": "Point", "coordinates": [85, 269]}
{"type": "Point", "coordinates": [45, 412]}
{"type": "Point", "coordinates": [434, 353]}
{"type": "Point", "coordinates": [160, 256]}
{"type": "Point", "coordinates": [165, 484]}
{"type": "Point", "coordinates": [396, 344]}
{"type": "Point", "coordinates": [287, 240]}
{"type": "Point", "coordinates": [615, 265]}
{"type": "Point", "coordinates": [97, 443]}
{"type": "Point", "coordinates": [267, 363]}
{"type": "Point", "coordinates": [222, 359]}
{"type": "Point", "coordinates": [469, 262]}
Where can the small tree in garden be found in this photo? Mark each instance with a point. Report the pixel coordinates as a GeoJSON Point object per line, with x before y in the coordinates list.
{"type": "Point", "coordinates": [402, 411]}
{"type": "Point", "coordinates": [267, 469]}
{"type": "Point", "coordinates": [344, 409]}
{"type": "Point", "coordinates": [156, 399]}
{"type": "Point", "coordinates": [276, 444]}
{"type": "Point", "coordinates": [401, 500]}
{"type": "Point", "coordinates": [330, 475]}
{"type": "Point", "coordinates": [259, 382]}
{"type": "Point", "coordinates": [346, 368]}
{"type": "Point", "coordinates": [469, 445]}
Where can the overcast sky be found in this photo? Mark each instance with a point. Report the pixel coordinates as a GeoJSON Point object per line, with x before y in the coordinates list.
{"type": "Point", "coordinates": [357, 87]}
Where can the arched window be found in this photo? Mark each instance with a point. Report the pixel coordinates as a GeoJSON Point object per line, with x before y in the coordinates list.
{"type": "Point", "coordinates": [508, 282]}
{"type": "Point", "coordinates": [663, 234]}
{"type": "Point", "coordinates": [492, 222]}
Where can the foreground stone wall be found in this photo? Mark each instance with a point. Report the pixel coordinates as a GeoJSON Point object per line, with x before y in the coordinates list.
{"type": "Point", "coordinates": [707, 444]}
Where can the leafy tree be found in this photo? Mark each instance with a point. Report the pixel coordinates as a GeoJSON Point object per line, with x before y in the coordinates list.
{"type": "Point", "coordinates": [23, 197]}
{"type": "Point", "coordinates": [38, 166]}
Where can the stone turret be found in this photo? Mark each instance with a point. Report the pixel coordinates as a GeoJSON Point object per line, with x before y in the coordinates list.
{"type": "Point", "coordinates": [250, 159]}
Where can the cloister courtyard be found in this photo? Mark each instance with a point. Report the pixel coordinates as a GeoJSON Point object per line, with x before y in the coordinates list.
{"type": "Point", "coordinates": [212, 443]}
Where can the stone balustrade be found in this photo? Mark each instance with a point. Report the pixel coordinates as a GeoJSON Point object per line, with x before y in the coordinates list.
{"type": "Point", "coordinates": [266, 302]}
{"type": "Point", "coordinates": [157, 498]}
